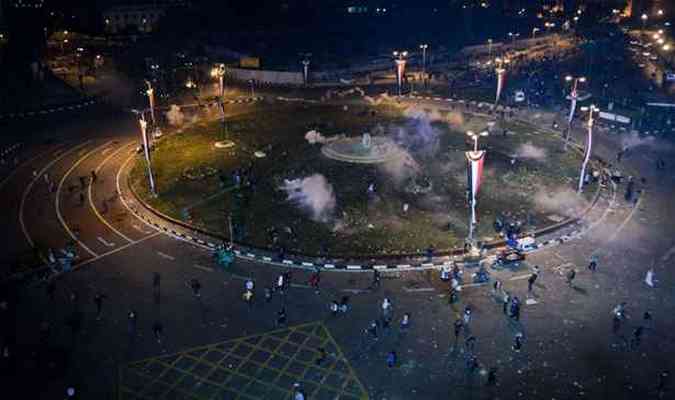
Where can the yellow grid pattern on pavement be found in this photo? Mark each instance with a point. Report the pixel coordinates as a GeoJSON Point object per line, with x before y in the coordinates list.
{"type": "Point", "coordinates": [263, 366]}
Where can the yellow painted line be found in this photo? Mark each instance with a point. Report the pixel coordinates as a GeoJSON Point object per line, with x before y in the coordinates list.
{"type": "Point", "coordinates": [364, 395]}
{"type": "Point", "coordinates": [57, 202]}
{"type": "Point", "coordinates": [91, 201]}
{"type": "Point", "coordinates": [39, 175]}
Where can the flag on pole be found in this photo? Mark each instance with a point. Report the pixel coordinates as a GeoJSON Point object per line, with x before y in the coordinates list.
{"type": "Point", "coordinates": [573, 106]}
{"type": "Point", "coordinates": [475, 173]}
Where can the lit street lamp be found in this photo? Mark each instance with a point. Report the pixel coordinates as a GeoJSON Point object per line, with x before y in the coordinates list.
{"type": "Point", "coordinates": [424, 48]}
{"type": "Point", "coordinates": [475, 136]}
{"type": "Point", "coordinates": [305, 67]}
{"type": "Point", "coordinates": [219, 72]}
{"type": "Point", "coordinates": [252, 90]}
{"type": "Point", "coordinates": [644, 18]}
{"type": "Point", "coordinates": [573, 103]}
{"type": "Point", "coordinates": [151, 99]}
{"type": "Point", "coordinates": [500, 70]}
{"type": "Point", "coordinates": [513, 37]}
{"type": "Point", "coordinates": [534, 31]}
{"type": "Point", "coordinates": [400, 60]}
{"type": "Point", "coordinates": [146, 149]}
{"type": "Point", "coordinates": [490, 48]}
{"type": "Point", "coordinates": [589, 142]}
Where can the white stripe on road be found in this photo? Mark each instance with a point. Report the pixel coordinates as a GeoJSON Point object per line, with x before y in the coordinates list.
{"type": "Point", "coordinates": [105, 242]}
{"type": "Point", "coordinates": [105, 151]}
{"type": "Point", "coordinates": [138, 228]}
{"type": "Point", "coordinates": [203, 268]}
{"type": "Point", "coordinates": [91, 201]}
{"type": "Point", "coordinates": [30, 187]}
{"type": "Point", "coordinates": [91, 260]}
{"type": "Point", "coordinates": [57, 202]}
{"type": "Point", "coordinates": [27, 162]}
{"type": "Point", "coordinates": [415, 290]}
{"type": "Point", "coordinates": [164, 255]}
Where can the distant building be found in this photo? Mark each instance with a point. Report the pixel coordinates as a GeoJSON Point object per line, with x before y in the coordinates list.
{"type": "Point", "coordinates": [138, 18]}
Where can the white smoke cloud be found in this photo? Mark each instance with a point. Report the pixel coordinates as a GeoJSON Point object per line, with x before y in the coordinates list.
{"type": "Point", "coordinates": [528, 150]}
{"type": "Point", "coordinates": [314, 137]}
{"type": "Point", "coordinates": [175, 115]}
{"type": "Point", "coordinates": [312, 193]}
{"type": "Point", "coordinates": [562, 200]}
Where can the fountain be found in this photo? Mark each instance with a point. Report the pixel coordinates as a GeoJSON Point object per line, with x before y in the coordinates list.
{"type": "Point", "coordinates": [364, 150]}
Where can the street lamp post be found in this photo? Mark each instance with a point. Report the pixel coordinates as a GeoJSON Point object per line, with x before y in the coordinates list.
{"type": "Point", "coordinates": [513, 37]}
{"type": "Point", "coordinates": [151, 99]}
{"type": "Point", "coordinates": [146, 150]}
{"type": "Point", "coordinates": [589, 142]}
{"type": "Point", "coordinates": [500, 69]}
{"type": "Point", "coordinates": [400, 60]}
{"type": "Point", "coordinates": [474, 181]}
{"type": "Point", "coordinates": [424, 48]}
{"type": "Point", "coordinates": [219, 72]}
{"type": "Point", "coordinates": [573, 103]}
{"type": "Point", "coordinates": [305, 67]}
{"type": "Point", "coordinates": [490, 48]}
{"type": "Point", "coordinates": [644, 18]}
{"type": "Point", "coordinates": [251, 82]}
{"type": "Point", "coordinates": [534, 31]}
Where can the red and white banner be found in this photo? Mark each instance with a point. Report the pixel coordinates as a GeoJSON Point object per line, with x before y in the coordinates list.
{"type": "Point", "coordinates": [475, 168]}
{"type": "Point", "coordinates": [400, 71]}
{"type": "Point", "coordinates": [474, 173]}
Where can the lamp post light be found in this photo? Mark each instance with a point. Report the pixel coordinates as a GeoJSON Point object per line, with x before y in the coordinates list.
{"type": "Point", "coordinates": [146, 151]}
{"type": "Point", "coordinates": [400, 60]}
{"type": "Point", "coordinates": [305, 66]}
{"type": "Point", "coordinates": [500, 69]}
{"type": "Point", "coordinates": [219, 72]}
{"type": "Point", "coordinates": [151, 99]}
{"type": "Point", "coordinates": [424, 48]}
{"type": "Point", "coordinates": [475, 136]}
{"type": "Point", "coordinates": [475, 170]}
{"type": "Point", "coordinates": [489, 48]}
{"type": "Point", "coordinates": [644, 19]}
{"type": "Point", "coordinates": [513, 37]}
{"type": "Point", "coordinates": [589, 142]}
{"type": "Point", "coordinates": [573, 103]}
{"type": "Point", "coordinates": [251, 82]}
{"type": "Point", "coordinates": [534, 32]}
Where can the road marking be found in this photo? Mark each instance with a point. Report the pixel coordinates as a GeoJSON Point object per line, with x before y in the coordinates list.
{"type": "Point", "coordinates": [57, 202]}
{"type": "Point", "coordinates": [91, 260]}
{"type": "Point", "coordinates": [164, 255]}
{"type": "Point", "coordinates": [105, 151]}
{"type": "Point", "coordinates": [105, 242]}
{"type": "Point", "coordinates": [415, 290]}
{"type": "Point", "coordinates": [468, 285]}
{"type": "Point", "coordinates": [91, 201]}
{"type": "Point", "coordinates": [138, 228]}
{"type": "Point", "coordinates": [27, 162]}
{"type": "Point", "coordinates": [203, 268]}
{"type": "Point", "coordinates": [39, 175]}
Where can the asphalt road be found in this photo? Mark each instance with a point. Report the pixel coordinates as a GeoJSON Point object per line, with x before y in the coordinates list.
{"type": "Point", "coordinates": [569, 347]}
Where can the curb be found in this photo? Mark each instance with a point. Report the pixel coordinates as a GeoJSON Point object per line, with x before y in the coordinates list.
{"type": "Point", "coordinates": [407, 261]}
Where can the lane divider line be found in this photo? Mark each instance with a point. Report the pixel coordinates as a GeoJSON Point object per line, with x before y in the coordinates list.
{"type": "Point", "coordinates": [91, 201]}
{"type": "Point", "coordinates": [30, 185]}
{"type": "Point", "coordinates": [57, 201]}
{"type": "Point", "coordinates": [164, 255]}
{"type": "Point", "coordinates": [107, 253]}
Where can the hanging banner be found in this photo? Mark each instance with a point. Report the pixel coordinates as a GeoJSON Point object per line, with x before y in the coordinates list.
{"type": "Point", "coordinates": [573, 107]}
{"type": "Point", "coordinates": [400, 70]}
{"type": "Point", "coordinates": [500, 83]}
{"type": "Point", "coordinates": [475, 173]}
